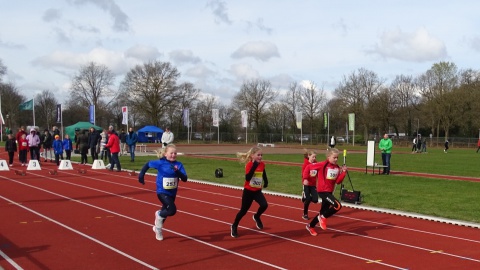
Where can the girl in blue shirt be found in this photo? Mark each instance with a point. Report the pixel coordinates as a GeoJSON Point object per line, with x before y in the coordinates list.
{"type": "Point", "coordinates": [169, 171]}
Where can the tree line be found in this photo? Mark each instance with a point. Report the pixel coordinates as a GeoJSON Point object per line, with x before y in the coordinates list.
{"type": "Point", "coordinates": [442, 101]}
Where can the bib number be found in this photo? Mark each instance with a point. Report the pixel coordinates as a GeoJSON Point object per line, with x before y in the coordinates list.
{"type": "Point", "coordinates": [256, 181]}
{"type": "Point", "coordinates": [170, 183]}
{"type": "Point", "coordinates": [332, 174]}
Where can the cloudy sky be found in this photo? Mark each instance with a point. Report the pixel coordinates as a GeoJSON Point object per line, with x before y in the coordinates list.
{"type": "Point", "coordinates": [219, 44]}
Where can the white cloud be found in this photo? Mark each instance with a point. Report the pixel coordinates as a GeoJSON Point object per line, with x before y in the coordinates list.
{"type": "Point", "coordinates": [199, 71]}
{"type": "Point", "coordinates": [419, 46]}
{"type": "Point", "coordinates": [51, 15]}
{"type": "Point", "coordinates": [259, 50]}
{"type": "Point", "coordinates": [143, 53]}
{"type": "Point", "coordinates": [120, 19]}
{"type": "Point", "coordinates": [243, 72]}
{"type": "Point", "coordinates": [219, 10]}
{"type": "Point", "coordinates": [180, 57]}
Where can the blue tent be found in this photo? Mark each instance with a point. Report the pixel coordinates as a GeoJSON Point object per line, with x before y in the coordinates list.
{"type": "Point", "coordinates": [150, 134]}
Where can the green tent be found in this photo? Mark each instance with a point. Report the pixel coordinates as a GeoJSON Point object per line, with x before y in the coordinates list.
{"type": "Point", "coordinates": [70, 130]}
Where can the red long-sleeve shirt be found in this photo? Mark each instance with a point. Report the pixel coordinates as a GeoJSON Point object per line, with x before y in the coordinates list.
{"type": "Point", "coordinates": [328, 175]}
{"type": "Point", "coordinates": [312, 179]}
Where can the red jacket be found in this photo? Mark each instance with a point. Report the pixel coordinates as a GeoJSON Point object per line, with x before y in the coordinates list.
{"type": "Point", "coordinates": [113, 143]}
{"type": "Point", "coordinates": [328, 175]}
{"type": "Point", "coordinates": [22, 144]}
{"type": "Point", "coordinates": [312, 179]}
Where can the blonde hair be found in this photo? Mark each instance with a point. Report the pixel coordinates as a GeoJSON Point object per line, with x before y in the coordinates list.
{"type": "Point", "coordinates": [308, 153]}
{"type": "Point", "coordinates": [331, 151]}
{"type": "Point", "coordinates": [161, 151]}
{"type": "Point", "coordinates": [245, 157]}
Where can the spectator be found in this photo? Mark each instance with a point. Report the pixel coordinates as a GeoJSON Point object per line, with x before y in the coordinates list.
{"type": "Point", "coordinates": [23, 149]}
{"type": "Point", "coordinates": [33, 144]}
{"type": "Point", "coordinates": [167, 137]}
{"type": "Point", "coordinates": [68, 147]}
{"type": "Point", "coordinates": [113, 145]}
{"type": "Point", "coordinates": [82, 145]}
{"type": "Point", "coordinates": [47, 141]}
{"type": "Point", "coordinates": [93, 138]}
{"type": "Point", "coordinates": [332, 142]}
{"type": "Point", "coordinates": [131, 140]}
{"type": "Point", "coordinates": [58, 149]}
{"type": "Point", "coordinates": [123, 142]}
{"type": "Point", "coordinates": [11, 148]}
{"type": "Point", "coordinates": [385, 146]}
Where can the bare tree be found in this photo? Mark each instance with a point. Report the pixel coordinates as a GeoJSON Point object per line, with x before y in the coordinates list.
{"type": "Point", "coordinates": [45, 108]}
{"type": "Point", "coordinates": [152, 90]}
{"type": "Point", "coordinates": [355, 91]}
{"type": "Point", "coordinates": [92, 84]}
{"type": "Point", "coordinates": [11, 98]}
{"type": "Point", "coordinates": [405, 101]}
{"type": "Point", "coordinates": [312, 101]}
{"type": "Point", "coordinates": [3, 70]}
{"type": "Point", "coordinates": [292, 104]}
{"type": "Point", "coordinates": [255, 96]}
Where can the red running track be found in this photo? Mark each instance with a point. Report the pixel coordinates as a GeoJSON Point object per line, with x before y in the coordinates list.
{"type": "Point", "coordinates": [103, 220]}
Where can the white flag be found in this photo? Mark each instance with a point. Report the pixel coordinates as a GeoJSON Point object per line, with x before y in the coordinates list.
{"type": "Point", "coordinates": [215, 117]}
{"type": "Point", "coordinates": [125, 115]}
{"type": "Point", "coordinates": [244, 119]}
{"type": "Point", "coordinates": [186, 117]}
{"type": "Point", "coordinates": [298, 116]}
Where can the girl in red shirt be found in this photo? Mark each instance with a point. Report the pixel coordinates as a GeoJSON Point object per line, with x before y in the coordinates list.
{"type": "Point", "coordinates": [22, 149]}
{"type": "Point", "coordinates": [255, 178]}
{"type": "Point", "coordinates": [309, 193]}
{"type": "Point", "coordinates": [329, 174]}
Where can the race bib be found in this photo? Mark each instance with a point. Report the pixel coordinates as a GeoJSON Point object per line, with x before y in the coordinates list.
{"type": "Point", "coordinates": [313, 173]}
{"type": "Point", "coordinates": [332, 174]}
{"type": "Point", "coordinates": [170, 183]}
{"type": "Point", "coordinates": [256, 181]}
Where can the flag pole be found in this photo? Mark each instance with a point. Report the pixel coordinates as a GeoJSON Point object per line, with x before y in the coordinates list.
{"type": "Point", "coordinates": [33, 109]}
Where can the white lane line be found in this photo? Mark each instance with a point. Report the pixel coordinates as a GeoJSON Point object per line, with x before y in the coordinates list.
{"type": "Point", "coordinates": [9, 260]}
{"type": "Point", "coordinates": [127, 217]}
{"type": "Point", "coordinates": [80, 233]}
{"type": "Point", "coordinates": [124, 197]}
{"type": "Point", "coordinates": [346, 232]}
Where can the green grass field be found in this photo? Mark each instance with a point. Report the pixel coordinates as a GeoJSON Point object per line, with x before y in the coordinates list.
{"type": "Point", "coordinates": [434, 197]}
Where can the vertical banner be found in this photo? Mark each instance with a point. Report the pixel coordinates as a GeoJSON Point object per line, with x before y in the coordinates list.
{"type": "Point", "coordinates": [92, 114]}
{"type": "Point", "coordinates": [215, 117]}
{"type": "Point", "coordinates": [59, 113]}
{"type": "Point", "coordinates": [325, 120]}
{"type": "Point", "coordinates": [244, 118]}
{"type": "Point", "coordinates": [351, 122]}
{"type": "Point", "coordinates": [124, 115]}
{"type": "Point", "coordinates": [298, 117]}
{"type": "Point", "coordinates": [186, 117]}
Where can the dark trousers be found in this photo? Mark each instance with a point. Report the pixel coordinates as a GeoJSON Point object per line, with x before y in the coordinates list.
{"type": "Point", "coordinates": [34, 152]}
{"type": "Point", "coordinates": [248, 197]}
{"type": "Point", "coordinates": [22, 156]}
{"type": "Point", "coordinates": [168, 205]}
{"type": "Point", "coordinates": [57, 158]}
{"type": "Point", "coordinates": [93, 152]}
{"type": "Point", "coordinates": [83, 154]}
{"type": "Point", "coordinates": [10, 157]}
{"type": "Point", "coordinates": [114, 161]}
{"type": "Point", "coordinates": [386, 162]}
{"type": "Point", "coordinates": [311, 195]}
{"type": "Point", "coordinates": [330, 206]}
{"type": "Point", "coordinates": [68, 154]}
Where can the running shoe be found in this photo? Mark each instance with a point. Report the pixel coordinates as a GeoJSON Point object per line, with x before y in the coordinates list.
{"type": "Point", "coordinates": [305, 217]}
{"type": "Point", "coordinates": [158, 233]}
{"type": "Point", "coordinates": [233, 231]}
{"type": "Point", "coordinates": [323, 222]}
{"type": "Point", "coordinates": [311, 230]}
{"type": "Point", "coordinates": [258, 222]}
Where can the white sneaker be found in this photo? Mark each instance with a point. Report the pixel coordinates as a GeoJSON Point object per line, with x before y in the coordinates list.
{"type": "Point", "coordinates": [158, 220]}
{"type": "Point", "coordinates": [158, 233]}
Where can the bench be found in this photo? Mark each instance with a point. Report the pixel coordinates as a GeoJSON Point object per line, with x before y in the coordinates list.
{"type": "Point", "coordinates": [266, 144]}
{"type": "Point", "coordinates": [140, 146]}
{"type": "Point", "coordinates": [375, 166]}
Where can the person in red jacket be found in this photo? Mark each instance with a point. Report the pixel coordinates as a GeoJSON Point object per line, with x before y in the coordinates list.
{"type": "Point", "coordinates": [309, 193]}
{"type": "Point", "coordinates": [114, 145]}
{"type": "Point", "coordinates": [478, 145]}
{"type": "Point", "coordinates": [328, 174]}
{"type": "Point", "coordinates": [23, 149]}
{"type": "Point", "coordinates": [255, 178]}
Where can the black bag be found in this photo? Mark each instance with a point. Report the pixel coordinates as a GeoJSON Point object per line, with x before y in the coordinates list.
{"type": "Point", "coordinates": [219, 173]}
{"type": "Point", "coordinates": [76, 151]}
{"type": "Point", "coordinates": [351, 196]}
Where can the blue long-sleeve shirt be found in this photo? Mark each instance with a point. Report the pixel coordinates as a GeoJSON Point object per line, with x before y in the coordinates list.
{"type": "Point", "coordinates": [167, 176]}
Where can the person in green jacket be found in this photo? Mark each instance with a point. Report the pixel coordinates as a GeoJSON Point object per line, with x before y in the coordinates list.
{"type": "Point", "coordinates": [385, 146]}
